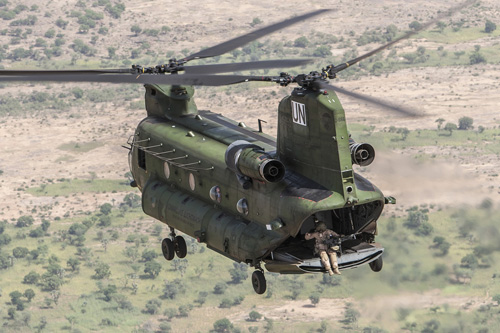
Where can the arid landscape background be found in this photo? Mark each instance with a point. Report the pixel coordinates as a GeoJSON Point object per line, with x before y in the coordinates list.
{"type": "Point", "coordinates": [62, 161]}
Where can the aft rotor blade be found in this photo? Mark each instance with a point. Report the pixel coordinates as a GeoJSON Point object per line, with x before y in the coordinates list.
{"type": "Point", "coordinates": [375, 101]}
{"type": "Point", "coordinates": [450, 12]}
{"type": "Point", "coordinates": [185, 79]}
{"type": "Point", "coordinates": [11, 72]}
{"type": "Point", "coordinates": [245, 66]}
{"type": "Point", "coordinates": [245, 39]}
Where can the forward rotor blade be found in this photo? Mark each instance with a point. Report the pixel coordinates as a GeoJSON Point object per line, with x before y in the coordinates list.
{"type": "Point", "coordinates": [450, 12]}
{"type": "Point", "coordinates": [245, 39]}
{"type": "Point", "coordinates": [9, 72]}
{"type": "Point", "coordinates": [185, 79]}
{"type": "Point", "coordinates": [375, 101]}
{"type": "Point", "coordinates": [245, 66]}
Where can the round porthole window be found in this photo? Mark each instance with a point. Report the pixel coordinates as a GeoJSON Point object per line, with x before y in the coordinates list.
{"type": "Point", "coordinates": [215, 194]}
{"type": "Point", "coordinates": [166, 170]}
{"type": "Point", "coordinates": [192, 182]}
{"type": "Point", "coordinates": [242, 206]}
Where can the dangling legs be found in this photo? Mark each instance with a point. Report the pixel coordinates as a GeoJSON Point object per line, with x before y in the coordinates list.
{"type": "Point", "coordinates": [326, 262]}
{"type": "Point", "coordinates": [333, 259]}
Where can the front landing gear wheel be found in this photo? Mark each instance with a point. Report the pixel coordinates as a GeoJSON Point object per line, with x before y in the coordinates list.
{"type": "Point", "coordinates": [259, 282]}
{"type": "Point", "coordinates": [377, 264]}
{"type": "Point", "coordinates": [168, 249]}
{"type": "Point", "coordinates": [180, 247]}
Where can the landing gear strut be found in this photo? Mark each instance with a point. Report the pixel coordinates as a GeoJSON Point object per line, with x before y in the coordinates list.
{"type": "Point", "coordinates": [173, 245]}
{"type": "Point", "coordinates": [259, 280]}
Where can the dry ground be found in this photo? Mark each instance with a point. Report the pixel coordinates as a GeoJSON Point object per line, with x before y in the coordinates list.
{"type": "Point", "coordinates": [30, 153]}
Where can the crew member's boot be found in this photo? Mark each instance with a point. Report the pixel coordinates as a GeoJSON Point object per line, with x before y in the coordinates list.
{"type": "Point", "coordinates": [326, 262]}
{"type": "Point", "coordinates": [333, 259]}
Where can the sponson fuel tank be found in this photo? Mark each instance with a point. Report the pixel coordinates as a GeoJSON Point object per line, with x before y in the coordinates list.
{"type": "Point", "coordinates": [223, 232]}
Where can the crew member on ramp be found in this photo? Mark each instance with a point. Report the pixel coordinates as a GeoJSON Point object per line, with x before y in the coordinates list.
{"type": "Point", "coordinates": [326, 247]}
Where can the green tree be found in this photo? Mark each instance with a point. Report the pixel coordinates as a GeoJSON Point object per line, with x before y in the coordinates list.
{"type": "Point", "coordinates": [225, 303]}
{"type": "Point", "coordinates": [441, 26]}
{"type": "Point", "coordinates": [132, 200]}
{"type": "Point", "coordinates": [72, 321]}
{"type": "Point", "coordinates": [301, 42]}
{"type": "Point", "coordinates": [20, 252]}
{"type": "Point", "coordinates": [73, 263]}
{"type": "Point", "coordinates": [220, 288]}
{"type": "Point", "coordinates": [223, 325]}
{"type": "Point", "coordinates": [131, 252]}
{"type": "Point", "coordinates": [45, 225]}
{"type": "Point", "coordinates": [172, 289]}
{"type": "Point", "coordinates": [415, 25]}
{"type": "Point", "coordinates": [450, 127]}
{"type": "Point", "coordinates": [5, 239]}
{"type": "Point", "coordinates": [256, 21]}
{"type": "Point", "coordinates": [136, 29]}
{"type": "Point", "coordinates": [465, 123]}
{"type": "Point", "coordinates": [254, 316]}
{"type": "Point", "coordinates": [111, 52]}
{"type": "Point", "coordinates": [440, 122]}
{"type": "Point", "coordinates": [469, 261]}
{"type": "Point", "coordinates": [29, 294]}
{"type": "Point", "coordinates": [15, 297]}
{"type": "Point", "coordinates": [102, 271]}
{"type": "Point", "coordinates": [24, 221]}
{"type": "Point", "coordinates": [108, 292]}
{"type": "Point", "coordinates": [489, 26]}
{"type": "Point", "coordinates": [238, 273]}
{"type": "Point", "coordinates": [106, 208]}
{"type": "Point", "coordinates": [322, 51]}
{"type": "Point", "coordinates": [351, 316]}
{"type": "Point", "coordinates": [314, 298]}
{"type": "Point", "coordinates": [104, 220]}
{"type": "Point", "coordinates": [170, 313]}
{"type": "Point", "coordinates": [31, 278]}
{"type": "Point", "coordinates": [476, 58]}
{"type": "Point", "coordinates": [153, 306]}
{"type": "Point", "coordinates": [415, 219]}
{"type": "Point", "coordinates": [152, 268]}
{"type": "Point", "coordinates": [149, 255]}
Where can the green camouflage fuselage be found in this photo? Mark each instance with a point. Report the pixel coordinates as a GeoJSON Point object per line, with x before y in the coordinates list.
{"type": "Point", "coordinates": [179, 161]}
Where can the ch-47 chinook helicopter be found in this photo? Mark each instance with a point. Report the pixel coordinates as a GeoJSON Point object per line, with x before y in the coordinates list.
{"type": "Point", "coordinates": [249, 196]}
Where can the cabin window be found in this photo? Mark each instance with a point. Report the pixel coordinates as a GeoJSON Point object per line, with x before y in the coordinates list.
{"type": "Point", "coordinates": [192, 182]}
{"type": "Point", "coordinates": [242, 206]}
{"type": "Point", "coordinates": [166, 170]}
{"type": "Point", "coordinates": [141, 158]}
{"type": "Point", "coordinates": [215, 194]}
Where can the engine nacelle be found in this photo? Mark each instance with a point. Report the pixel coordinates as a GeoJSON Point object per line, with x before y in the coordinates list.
{"type": "Point", "coordinates": [250, 160]}
{"type": "Point", "coordinates": [362, 154]}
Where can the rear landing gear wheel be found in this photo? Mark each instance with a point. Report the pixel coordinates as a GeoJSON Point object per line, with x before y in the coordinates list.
{"type": "Point", "coordinates": [180, 247]}
{"type": "Point", "coordinates": [259, 282]}
{"type": "Point", "coordinates": [377, 264]}
{"type": "Point", "coordinates": [168, 248]}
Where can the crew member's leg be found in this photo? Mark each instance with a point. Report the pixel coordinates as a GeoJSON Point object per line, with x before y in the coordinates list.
{"type": "Point", "coordinates": [333, 258]}
{"type": "Point", "coordinates": [326, 262]}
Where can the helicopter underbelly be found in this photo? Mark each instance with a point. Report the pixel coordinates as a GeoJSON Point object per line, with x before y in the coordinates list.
{"type": "Point", "coordinates": [285, 263]}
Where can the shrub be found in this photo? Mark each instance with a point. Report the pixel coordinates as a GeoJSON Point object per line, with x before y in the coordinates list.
{"type": "Point", "coordinates": [223, 325]}
{"type": "Point", "coordinates": [489, 26]}
{"type": "Point", "coordinates": [220, 288]}
{"type": "Point", "coordinates": [20, 252]}
{"type": "Point", "coordinates": [24, 221]}
{"type": "Point", "coordinates": [102, 271]}
{"type": "Point", "coordinates": [301, 42]}
{"type": "Point", "coordinates": [31, 278]}
{"type": "Point", "coordinates": [153, 306]}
